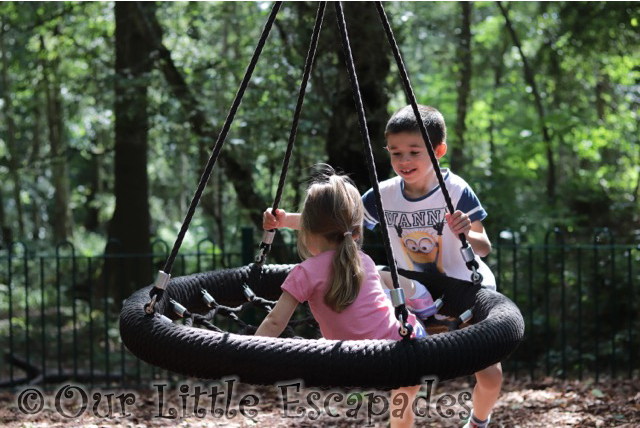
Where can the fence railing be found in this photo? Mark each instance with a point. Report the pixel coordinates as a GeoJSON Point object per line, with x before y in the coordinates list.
{"type": "Point", "coordinates": [59, 311]}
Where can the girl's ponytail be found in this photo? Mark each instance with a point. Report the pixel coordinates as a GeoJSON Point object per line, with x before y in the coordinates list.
{"type": "Point", "coordinates": [333, 209]}
{"type": "Point", "coordinates": [348, 273]}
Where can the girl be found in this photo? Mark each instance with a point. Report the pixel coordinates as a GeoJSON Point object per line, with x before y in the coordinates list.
{"type": "Point", "coordinates": [340, 282]}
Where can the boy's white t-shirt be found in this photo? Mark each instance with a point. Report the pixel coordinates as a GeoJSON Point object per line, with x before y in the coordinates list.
{"type": "Point", "coordinates": [420, 237]}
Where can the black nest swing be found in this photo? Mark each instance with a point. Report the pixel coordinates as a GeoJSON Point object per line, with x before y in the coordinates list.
{"type": "Point", "coordinates": [147, 329]}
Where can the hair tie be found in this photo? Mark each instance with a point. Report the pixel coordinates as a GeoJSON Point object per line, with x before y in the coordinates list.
{"type": "Point", "coordinates": [347, 233]}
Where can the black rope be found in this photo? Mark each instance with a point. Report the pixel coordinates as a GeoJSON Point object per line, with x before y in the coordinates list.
{"type": "Point", "coordinates": [221, 137]}
{"type": "Point", "coordinates": [234, 313]}
{"type": "Point", "coordinates": [303, 87]}
{"type": "Point", "coordinates": [414, 105]}
{"type": "Point", "coordinates": [296, 116]}
{"type": "Point", "coordinates": [368, 152]}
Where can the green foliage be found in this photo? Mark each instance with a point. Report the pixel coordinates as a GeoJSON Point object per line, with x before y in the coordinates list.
{"type": "Point", "coordinates": [584, 56]}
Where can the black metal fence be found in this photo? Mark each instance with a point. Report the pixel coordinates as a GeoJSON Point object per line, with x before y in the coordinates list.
{"type": "Point", "coordinates": [59, 311]}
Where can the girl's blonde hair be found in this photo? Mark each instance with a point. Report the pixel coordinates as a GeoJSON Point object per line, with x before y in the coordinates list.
{"type": "Point", "coordinates": [334, 210]}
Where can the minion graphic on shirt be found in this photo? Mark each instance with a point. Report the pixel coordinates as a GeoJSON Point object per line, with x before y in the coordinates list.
{"type": "Point", "coordinates": [422, 247]}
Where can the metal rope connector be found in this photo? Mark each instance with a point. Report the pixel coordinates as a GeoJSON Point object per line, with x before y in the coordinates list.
{"type": "Point", "coordinates": [466, 316]}
{"type": "Point", "coordinates": [208, 298]}
{"type": "Point", "coordinates": [265, 245]}
{"type": "Point", "coordinates": [248, 293]}
{"type": "Point", "coordinates": [178, 308]}
{"type": "Point", "coordinates": [476, 277]}
{"type": "Point", "coordinates": [469, 258]}
{"type": "Point", "coordinates": [397, 297]}
{"type": "Point", "coordinates": [467, 254]}
{"type": "Point", "coordinates": [402, 330]}
{"type": "Point", "coordinates": [162, 279]}
{"type": "Point", "coordinates": [398, 301]}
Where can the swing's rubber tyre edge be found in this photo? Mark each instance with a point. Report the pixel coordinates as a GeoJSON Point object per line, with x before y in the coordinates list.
{"type": "Point", "coordinates": [496, 330]}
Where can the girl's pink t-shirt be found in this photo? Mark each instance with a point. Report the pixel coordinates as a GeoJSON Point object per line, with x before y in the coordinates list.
{"type": "Point", "coordinates": [370, 316]}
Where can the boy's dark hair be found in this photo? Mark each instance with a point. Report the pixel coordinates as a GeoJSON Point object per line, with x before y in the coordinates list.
{"type": "Point", "coordinates": [404, 120]}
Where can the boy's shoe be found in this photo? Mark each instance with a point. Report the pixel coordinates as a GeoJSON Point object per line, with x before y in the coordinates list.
{"type": "Point", "coordinates": [471, 424]}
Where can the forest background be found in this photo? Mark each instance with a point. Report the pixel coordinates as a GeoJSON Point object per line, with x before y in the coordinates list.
{"type": "Point", "coordinates": [109, 111]}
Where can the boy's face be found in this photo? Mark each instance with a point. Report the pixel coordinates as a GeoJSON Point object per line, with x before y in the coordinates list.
{"type": "Point", "coordinates": [409, 157]}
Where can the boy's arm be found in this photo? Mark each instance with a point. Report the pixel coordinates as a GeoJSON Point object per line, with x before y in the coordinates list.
{"type": "Point", "coordinates": [281, 219]}
{"type": "Point", "coordinates": [478, 239]}
{"type": "Point", "coordinates": [459, 222]}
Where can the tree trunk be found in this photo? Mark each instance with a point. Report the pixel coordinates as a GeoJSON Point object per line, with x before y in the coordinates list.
{"type": "Point", "coordinates": [464, 88]}
{"type": "Point", "coordinates": [91, 220]}
{"type": "Point", "coordinates": [602, 87]}
{"type": "Point", "coordinates": [238, 173]}
{"type": "Point", "coordinates": [130, 224]}
{"type": "Point", "coordinates": [344, 144]}
{"type": "Point", "coordinates": [497, 83]}
{"type": "Point", "coordinates": [5, 230]}
{"type": "Point", "coordinates": [61, 222]}
{"type": "Point", "coordinates": [10, 138]}
{"type": "Point", "coordinates": [636, 189]}
{"type": "Point", "coordinates": [531, 81]}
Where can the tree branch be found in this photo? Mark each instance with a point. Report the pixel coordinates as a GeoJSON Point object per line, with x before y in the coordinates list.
{"type": "Point", "coordinates": [238, 172]}
{"type": "Point", "coordinates": [531, 81]}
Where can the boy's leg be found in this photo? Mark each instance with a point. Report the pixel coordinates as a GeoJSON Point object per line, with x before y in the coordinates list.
{"type": "Point", "coordinates": [401, 406]}
{"type": "Point", "coordinates": [486, 391]}
{"type": "Point", "coordinates": [417, 297]}
{"type": "Point", "coordinates": [406, 284]}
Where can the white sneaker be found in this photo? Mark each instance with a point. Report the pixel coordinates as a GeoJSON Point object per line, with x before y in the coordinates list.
{"type": "Point", "coordinates": [471, 424]}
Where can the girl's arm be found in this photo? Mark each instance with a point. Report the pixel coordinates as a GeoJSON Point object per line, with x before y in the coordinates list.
{"type": "Point", "coordinates": [281, 219]}
{"type": "Point", "coordinates": [276, 321]}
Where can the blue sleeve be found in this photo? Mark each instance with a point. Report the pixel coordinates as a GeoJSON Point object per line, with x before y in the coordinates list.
{"type": "Point", "coordinates": [470, 204]}
{"type": "Point", "coordinates": [370, 210]}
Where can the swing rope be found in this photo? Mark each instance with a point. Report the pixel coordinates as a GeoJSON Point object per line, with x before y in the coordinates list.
{"type": "Point", "coordinates": [164, 275]}
{"type": "Point", "coordinates": [215, 354]}
{"type": "Point", "coordinates": [267, 238]}
{"type": "Point", "coordinates": [466, 250]}
{"type": "Point", "coordinates": [397, 294]}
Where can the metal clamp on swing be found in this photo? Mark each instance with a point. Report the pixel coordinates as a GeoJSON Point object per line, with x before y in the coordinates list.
{"type": "Point", "coordinates": [476, 277]}
{"type": "Point", "coordinates": [178, 308]}
{"type": "Point", "coordinates": [248, 293]}
{"type": "Point", "coordinates": [469, 258]}
{"type": "Point", "coordinates": [463, 318]}
{"type": "Point", "coordinates": [162, 279]}
{"type": "Point", "coordinates": [398, 301]}
{"type": "Point", "coordinates": [208, 298]}
{"type": "Point", "coordinates": [265, 245]}
{"type": "Point", "coordinates": [405, 329]}
{"type": "Point", "coordinates": [397, 297]}
{"type": "Point", "coordinates": [466, 316]}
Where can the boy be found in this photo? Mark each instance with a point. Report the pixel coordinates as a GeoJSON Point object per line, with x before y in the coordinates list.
{"type": "Point", "coordinates": [415, 210]}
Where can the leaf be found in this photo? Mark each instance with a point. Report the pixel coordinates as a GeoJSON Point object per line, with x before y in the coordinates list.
{"type": "Point", "coordinates": [598, 393]}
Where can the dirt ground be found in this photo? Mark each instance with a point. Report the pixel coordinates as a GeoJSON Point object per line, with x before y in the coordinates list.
{"type": "Point", "coordinates": [547, 403]}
